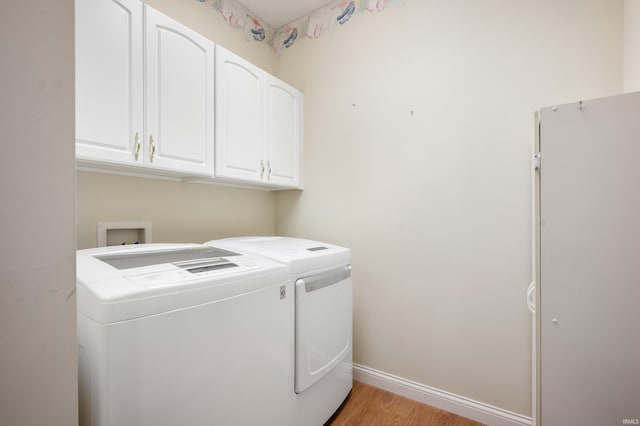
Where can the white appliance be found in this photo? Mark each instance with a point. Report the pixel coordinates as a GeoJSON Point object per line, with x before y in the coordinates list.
{"type": "Point", "coordinates": [587, 264]}
{"type": "Point", "coordinates": [183, 334]}
{"type": "Point", "coordinates": [321, 275]}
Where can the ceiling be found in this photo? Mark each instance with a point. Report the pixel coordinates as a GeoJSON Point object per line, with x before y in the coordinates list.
{"type": "Point", "coordinates": [280, 12]}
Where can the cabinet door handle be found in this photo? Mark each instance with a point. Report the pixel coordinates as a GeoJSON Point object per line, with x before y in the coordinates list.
{"type": "Point", "coordinates": [268, 170]}
{"type": "Point", "coordinates": [261, 169]}
{"type": "Point", "coordinates": [137, 142]}
{"type": "Point", "coordinates": [152, 148]}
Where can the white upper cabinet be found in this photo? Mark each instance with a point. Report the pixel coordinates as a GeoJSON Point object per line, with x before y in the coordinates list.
{"type": "Point", "coordinates": [284, 133]}
{"type": "Point", "coordinates": [259, 124]}
{"type": "Point", "coordinates": [178, 131]}
{"type": "Point", "coordinates": [239, 118]}
{"type": "Point", "coordinates": [179, 84]}
{"type": "Point", "coordinates": [157, 98]}
{"type": "Point", "coordinates": [109, 80]}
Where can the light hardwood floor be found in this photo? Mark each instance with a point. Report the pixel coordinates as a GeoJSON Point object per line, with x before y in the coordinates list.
{"type": "Point", "coordinates": [370, 406]}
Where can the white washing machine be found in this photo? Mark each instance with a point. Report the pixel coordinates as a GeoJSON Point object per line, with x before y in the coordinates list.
{"type": "Point", "coordinates": [183, 335]}
{"type": "Point", "coordinates": [321, 275]}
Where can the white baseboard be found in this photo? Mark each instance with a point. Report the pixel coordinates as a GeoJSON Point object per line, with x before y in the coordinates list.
{"type": "Point", "coordinates": [459, 405]}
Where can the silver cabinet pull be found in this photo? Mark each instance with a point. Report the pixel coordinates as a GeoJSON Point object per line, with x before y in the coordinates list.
{"type": "Point", "coordinates": [261, 169]}
{"type": "Point", "coordinates": [137, 143]}
{"type": "Point", "coordinates": [152, 148]}
{"type": "Point", "coordinates": [268, 170]}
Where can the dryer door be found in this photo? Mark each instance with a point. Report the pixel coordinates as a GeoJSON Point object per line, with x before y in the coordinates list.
{"type": "Point", "coordinates": [323, 325]}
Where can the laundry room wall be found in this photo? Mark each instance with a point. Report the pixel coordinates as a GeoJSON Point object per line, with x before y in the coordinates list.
{"type": "Point", "coordinates": [181, 212]}
{"type": "Point", "coordinates": [38, 348]}
{"type": "Point", "coordinates": [419, 124]}
{"type": "Point", "coordinates": [631, 45]}
{"type": "Point", "coordinates": [178, 212]}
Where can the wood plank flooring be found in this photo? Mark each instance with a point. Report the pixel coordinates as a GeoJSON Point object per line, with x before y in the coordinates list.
{"type": "Point", "coordinates": [370, 406]}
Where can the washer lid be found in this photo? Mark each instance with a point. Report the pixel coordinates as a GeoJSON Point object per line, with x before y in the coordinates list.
{"type": "Point", "coordinates": [176, 256]}
{"type": "Point", "coordinates": [302, 256]}
{"type": "Point", "coordinates": [126, 282]}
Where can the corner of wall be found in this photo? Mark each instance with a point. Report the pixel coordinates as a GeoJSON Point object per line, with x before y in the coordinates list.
{"type": "Point", "coordinates": [631, 59]}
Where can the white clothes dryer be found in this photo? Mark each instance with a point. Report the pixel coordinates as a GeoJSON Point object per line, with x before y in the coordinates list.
{"type": "Point", "coordinates": [183, 334]}
{"type": "Point", "coordinates": [321, 276]}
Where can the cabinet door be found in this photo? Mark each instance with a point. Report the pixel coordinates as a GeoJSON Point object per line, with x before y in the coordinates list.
{"type": "Point", "coordinates": [239, 118]}
{"type": "Point", "coordinates": [109, 80]}
{"type": "Point", "coordinates": [284, 133]}
{"type": "Point", "coordinates": [179, 97]}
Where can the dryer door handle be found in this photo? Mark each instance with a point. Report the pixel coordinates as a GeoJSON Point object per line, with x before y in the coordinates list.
{"type": "Point", "coordinates": [325, 279]}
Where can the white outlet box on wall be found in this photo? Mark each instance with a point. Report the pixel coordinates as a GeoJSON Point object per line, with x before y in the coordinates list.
{"type": "Point", "coordinates": [122, 233]}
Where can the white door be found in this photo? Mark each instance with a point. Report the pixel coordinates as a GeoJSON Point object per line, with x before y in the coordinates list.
{"type": "Point", "coordinates": [590, 263]}
{"type": "Point", "coordinates": [284, 132]}
{"type": "Point", "coordinates": [179, 97]}
{"type": "Point", "coordinates": [109, 80]}
{"type": "Point", "coordinates": [323, 325]}
{"type": "Point", "coordinates": [239, 118]}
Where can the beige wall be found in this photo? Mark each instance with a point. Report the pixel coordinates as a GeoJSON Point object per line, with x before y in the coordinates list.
{"type": "Point", "coordinates": [181, 212]}
{"type": "Point", "coordinates": [418, 135]}
{"type": "Point", "coordinates": [631, 45]}
{"type": "Point", "coordinates": [38, 367]}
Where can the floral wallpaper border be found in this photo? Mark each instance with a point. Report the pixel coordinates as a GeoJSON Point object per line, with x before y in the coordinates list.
{"type": "Point", "coordinates": [334, 14]}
